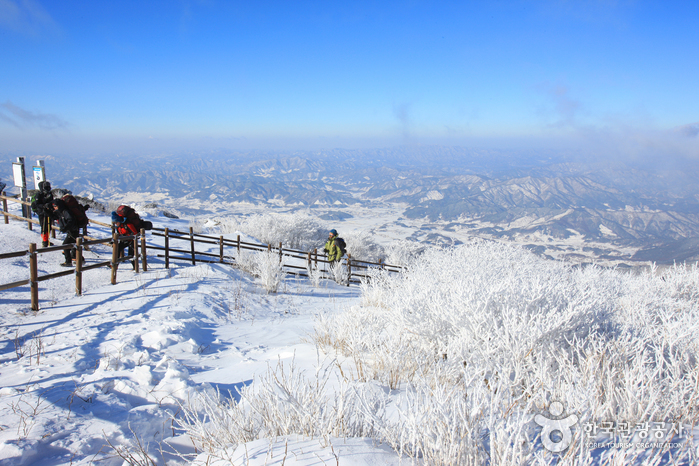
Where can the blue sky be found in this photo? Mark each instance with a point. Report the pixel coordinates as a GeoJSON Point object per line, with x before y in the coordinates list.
{"type": "Point", "coordinates": [86, 76]}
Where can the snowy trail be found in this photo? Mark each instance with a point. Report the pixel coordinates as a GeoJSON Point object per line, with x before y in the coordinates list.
{"type": "Point", "coordinates": [115, 362]}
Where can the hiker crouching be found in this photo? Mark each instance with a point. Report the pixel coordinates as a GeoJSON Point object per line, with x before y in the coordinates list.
{"type": "Point", "coordinates": [128, 223]}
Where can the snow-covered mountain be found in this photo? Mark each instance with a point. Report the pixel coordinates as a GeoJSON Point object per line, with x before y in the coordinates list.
{"type": "Point", "coordinates": [639, 211]}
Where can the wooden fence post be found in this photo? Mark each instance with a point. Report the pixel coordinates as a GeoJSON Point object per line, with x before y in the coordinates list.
{"type": "Point", "coordinates": [33, 276]}
{"type": "Point", "coordinates": [191, 239]}
{"type": "Point", "coordinates": [315, 253]}
{"type": "Point", "coordinates": [144, 255]}
{"type": "Point", "coordinates": [136, 268]}
{"type": "Point", "coordinates": [4, 209]}
{"type": "Point", "coordinates": [220, 248]}
{"type": "Point", "coordinates": [167, 249]}
{"type": "Point", "coordinates": [309, 260]}
{"type": "Point", "coordinates": [238, 245]}
{"type": "Point", "coordinates": [269, 247]}
{"type": "Point", "coordinates": [79, 266]}
{"type": "Point", "coordinates": [115, 257]}
{"type": "Point", "coordinates": [280, 252]}
{"type": "Point", "coordinates": [29, 213]}
{"type": "Point", "coordinates": [349, 268]}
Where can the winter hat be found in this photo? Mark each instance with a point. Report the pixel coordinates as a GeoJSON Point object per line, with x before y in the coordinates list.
{"type": "Point", "coordinates": [44, 186]}
{"type": "Point", "coordinates": [334, 232]}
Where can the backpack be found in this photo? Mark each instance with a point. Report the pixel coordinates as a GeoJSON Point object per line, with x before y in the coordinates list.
{"type": "Point", "coordinates": [130, 215]}
{"type": "Point", "coordinates": [39, 201]}
{"type": "Point", "coordinates": [76, 210]}
{"type": "Point", "coordinates": [35, 205]}
{"type": "Point", "coordinates": [340, 243]}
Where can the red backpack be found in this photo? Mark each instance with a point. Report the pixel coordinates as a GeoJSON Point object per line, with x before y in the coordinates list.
{"type": "Point", "coordinates": [76, 210]}
{"type": "Point", "coordinates": [132, 225]}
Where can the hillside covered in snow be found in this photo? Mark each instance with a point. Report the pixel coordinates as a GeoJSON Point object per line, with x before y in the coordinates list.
{"type": "Point", "coordinates": [461, 359]}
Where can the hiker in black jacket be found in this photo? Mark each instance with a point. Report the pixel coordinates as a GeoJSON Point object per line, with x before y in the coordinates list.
{"type": "Point", "coordinates": [68, 225]}
{"type": "Point", "coordinates": [41, 204]}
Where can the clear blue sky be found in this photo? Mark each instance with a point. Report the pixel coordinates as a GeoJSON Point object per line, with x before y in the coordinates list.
{"type": "Point", "coordinates": [99, 75]}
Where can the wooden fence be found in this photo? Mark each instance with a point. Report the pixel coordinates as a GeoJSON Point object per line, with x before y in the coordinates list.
{"type": "Point", "coordinates": [356, 269]}
{"type": "Point", "coordinates": [8, 215]}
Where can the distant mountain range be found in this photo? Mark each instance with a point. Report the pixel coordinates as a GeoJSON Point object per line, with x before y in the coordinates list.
{"type": "Point", "coordinates": [493, 193]}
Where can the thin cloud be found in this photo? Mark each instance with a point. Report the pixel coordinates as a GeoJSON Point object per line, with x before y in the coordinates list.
{"type": "Point", "coordinates": [565, 109]}
{"type": "Point", "coordinates": [21, 118]}
{"type": "Point", "coordinates": [26, 17]}
{"type": "Point", "coordinates": [691, 130]}
{"type": "Point", "coordinates": [402, 113]}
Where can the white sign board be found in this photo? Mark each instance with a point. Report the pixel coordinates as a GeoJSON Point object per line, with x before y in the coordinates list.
{"type": "Point", "coordinates": [18, 172]}
{"type": "Point", "coordinates": [39, 176]}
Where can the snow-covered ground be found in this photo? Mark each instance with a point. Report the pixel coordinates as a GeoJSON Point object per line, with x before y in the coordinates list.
{"type": "Point", "coordinates": [451, 364]}
{"type": "Point", "coordinates": [111, 366]}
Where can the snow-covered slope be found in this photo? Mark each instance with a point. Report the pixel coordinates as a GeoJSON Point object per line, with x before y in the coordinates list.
{"type": "Point", "coordinates": [450, 362]}
{"type": "Point", "coordinates": [112, 366]}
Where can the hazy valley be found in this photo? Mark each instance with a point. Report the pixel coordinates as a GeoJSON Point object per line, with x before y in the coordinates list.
{"type": "Point", "coordinates": [610, 212]}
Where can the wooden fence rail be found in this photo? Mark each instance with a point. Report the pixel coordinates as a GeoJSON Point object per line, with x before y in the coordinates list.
{"type": "Point", "coordinates": [79, 247]}
{"type": "Point", "coordinates": [310, 257]}
{"type": "Point", "coordinates": [30, 220]}
{"type": "Point", "coordinates": [288, 252]}
{"type": "Point", "coordinates": [190, 255]}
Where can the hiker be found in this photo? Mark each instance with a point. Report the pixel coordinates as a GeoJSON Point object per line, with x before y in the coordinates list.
{"type": "Point", "coordinates": [68, 224]}
{"type": "Point", "coordinates": [334, 247]}
{"type": "Point", "coordinates": [127, 223]}
{"type": "Point", "coordinates": [41, 205]}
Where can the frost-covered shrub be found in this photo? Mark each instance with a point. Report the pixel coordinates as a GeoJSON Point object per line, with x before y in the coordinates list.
{"type": "Point", "coordinates": [247, 262]}
{"type": "Point", "coordinates": [314, 274]}
{"type": "Point", "coordinates": [476, 341]}
{"type": "Point", "coordinates": [339, 272]}
{"type": "Point", "coordinates": [269, 269]}
{"type": "Point", "coordinates": [403, 252]}
{"type": "Point", "coordinates": [377, 287]}
{"type": "Point", "coordinates": [361, 246]}
{"type": "Point", "coordinates": [296, 231]}
{"type": "Point", "coordinates": [510, 333]}
{"type": "Point", "coordinates": [283, 401]}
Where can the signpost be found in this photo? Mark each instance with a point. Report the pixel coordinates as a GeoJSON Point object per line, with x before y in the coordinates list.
{"type": "Point", "coordinates": [21, 183]}
{"type": "Point", "coordinates": [39, 173]}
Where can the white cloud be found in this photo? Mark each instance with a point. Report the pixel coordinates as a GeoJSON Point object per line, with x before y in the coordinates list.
{"type": "Point", "coordinates": [21, 118]}
{"type": "Point", "coordinates": [26, 17]}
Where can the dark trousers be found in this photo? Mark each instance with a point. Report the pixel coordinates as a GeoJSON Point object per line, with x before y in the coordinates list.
{"type": "Point", "coordinates": [45, 223]}
{"type": "Point", "coordinates": [126, 247]}
{"type": "Point", "coordinates": [71, 238]}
